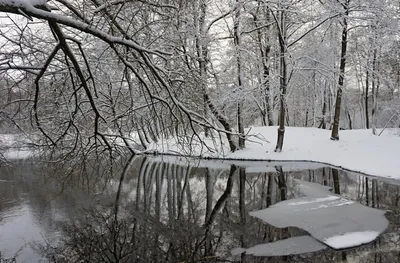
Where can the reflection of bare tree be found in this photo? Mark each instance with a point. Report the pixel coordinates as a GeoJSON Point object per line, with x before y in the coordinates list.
{"type": "Point", "coordinates": [242, 208]}
{"type": "Point", "coordinates": [325, 181]}
{"type": "Point", "coordinates": [216, 209]}
{"type": "Point", "coordinates": [336, 183]}
{"type": "Point", "coordinates": [367, 190]}
{"type": "Point", "coordinates": [373, 192]}
{"type": "Point", "coordinates": [281, 182]}
{"type": "Point", "coordinates": [169, 213]}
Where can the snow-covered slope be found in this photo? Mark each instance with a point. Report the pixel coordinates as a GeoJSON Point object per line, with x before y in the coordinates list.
{"type": "Point", "coordinates": [357, 150]}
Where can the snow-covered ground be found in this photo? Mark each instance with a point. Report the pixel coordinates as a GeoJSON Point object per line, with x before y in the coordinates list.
{"type": "Point", "coordinates": [357, 150]}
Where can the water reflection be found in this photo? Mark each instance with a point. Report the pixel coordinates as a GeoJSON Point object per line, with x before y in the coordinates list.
{"type": "Point", "coordinates": [161, 212]}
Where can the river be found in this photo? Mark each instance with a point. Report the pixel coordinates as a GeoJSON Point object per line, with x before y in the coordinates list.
{"type": "Point", "coordinates": [179, 210]}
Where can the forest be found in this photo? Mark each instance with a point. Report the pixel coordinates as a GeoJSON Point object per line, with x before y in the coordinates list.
{"type": "Point", "coordinates": [106, 105]}
{"type": "Point", "coordinates": [83, 77]}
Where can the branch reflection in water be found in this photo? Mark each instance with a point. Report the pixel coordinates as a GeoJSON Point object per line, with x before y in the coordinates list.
{"type": "Point", "coordinates": [156, 211]}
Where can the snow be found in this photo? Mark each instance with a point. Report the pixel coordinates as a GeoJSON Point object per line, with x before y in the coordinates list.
{"type": "Point", "coordinates": [357, 150]}
{"type": "Point", "coordinates": [250, 166]}
{"type": "Point", "coordinates": [317, 200]}
{"type": "Point", "coordinates": [290, 246]}
{"type": "Point", "coordinates": [351, 239]}
{"type": "Point", "coordinates": [327, 217]}
{"type": "Point", "coordinates": [21, 3]}
{"type": "Point", "coordinates": [17, 154]}
{"type": "Point", "coordinates": [12, 140]}
{"type": "Point", "coordinates": [14, 146]}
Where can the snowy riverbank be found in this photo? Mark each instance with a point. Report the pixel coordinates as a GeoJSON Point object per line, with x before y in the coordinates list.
{"type": "Point", "coordinates": [357, 150]}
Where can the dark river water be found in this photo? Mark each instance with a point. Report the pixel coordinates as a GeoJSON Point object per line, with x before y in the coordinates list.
{"type": "Point", "coordinates": [176, 210]}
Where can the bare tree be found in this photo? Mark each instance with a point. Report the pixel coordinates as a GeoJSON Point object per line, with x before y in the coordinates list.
{"type": "Point", "coordinates": [342, 69]}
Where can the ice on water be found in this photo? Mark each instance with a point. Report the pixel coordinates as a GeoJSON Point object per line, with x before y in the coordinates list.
{"type": "Point", "coordinates": [329, 218]}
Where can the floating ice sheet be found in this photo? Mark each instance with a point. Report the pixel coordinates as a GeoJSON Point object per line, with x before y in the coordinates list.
{"type": "Point", "coordinates": [290, 246]}
{"type": "Point", "coordinates": [330, 218]}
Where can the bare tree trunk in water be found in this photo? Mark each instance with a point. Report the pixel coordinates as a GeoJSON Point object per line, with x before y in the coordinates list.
{"type": "Point", "coordinates": [174, 190]}
{"type": "Point", "coordinates": [190, 208]}
{"type": "Point", "coordinates": [283, 81]}
{"type": "Point", "coordinates": [148, 187]}
{"type": "Point", "coordinates": [284, 232]}
{"type": "Point", "coordinates": [223, 198]}
{"type": "Point", "coordinates": [242, 208]}
{"type": "Point", "coordinates": [336, 118]}
{"type": "Point", "coordinates": [373, 192]}
{"type": "Point", "coordinates": [269, 190]}
{"type": "Point", "coordinates": [209, 195]}
{"type": "Point", "coordinates": [170, 194]}
{"type": "Point", "coordinates": [366, 96]}
{"type": "Point", "coordinates": [325, 182]}
{"type": "Point", "coordinates": [367, 191]}
{"type": "Point", "coordinates": [263, 188]}
{"type": "Point", "coordinates": [159, 182]}
{"type": "Point", "coordinates": [143, 173]}
{"type": "Point", "coordinates": [344, 256]}
{"type": "Point", "coordinates": [121, 180]}
{"type": "Point", "coordinates": [185, 171]}
{"type": "Point", "coordinates": [336, 183]}
{"type": "Point", "coordinates": [218, 205]}
{"type": "Point", "coordinates": [158, 200]}
{"type": "Point", "coordinates": [377, 193]}
{"type": "Point", "coordinates": [281, 182]}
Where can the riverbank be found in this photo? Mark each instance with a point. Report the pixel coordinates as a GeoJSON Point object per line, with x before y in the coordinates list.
{"type": "Point", "coordinates": [357, 150]}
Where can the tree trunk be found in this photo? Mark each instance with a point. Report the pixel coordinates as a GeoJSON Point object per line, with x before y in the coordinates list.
{"type": "Point", "coordinates": [283, 82]}
{"type": "Point", "coordinates": [366, 99]}
{"type": "Point", "coordinates": [336, 118]}
{"type": "Point", "coordinates": [350, 121]}
{"type": "Point", "coordinates": [201, 47]}
{"type": "Point", "coordinates": [324, 106]}
{"type": "Point", "coordinates": [236, 39]}
{"type": "Point", "coordinates": [223, 122]}
{"type": "Point", "coordinates": [265, 53]}
{"type": "Point", "coordinates": [375, 87]}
